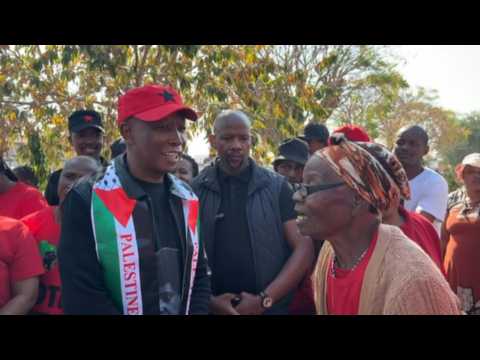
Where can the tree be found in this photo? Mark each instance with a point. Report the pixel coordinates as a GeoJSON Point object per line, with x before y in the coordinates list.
{"type": "Point", "coordinates": [41, 85]}
{"type": "Point", "coordinates": [283, 87]}
{"type": "Point", "coordinates": [388, 109]}
{"type": "Point", "coordinates": [330, 75]}
{"type": "Point", "coordinates": [383, 111]}
{"type": "Point", "coordinates": [469, 144]}
{"type": "Point", "coordinates": [280, 87]}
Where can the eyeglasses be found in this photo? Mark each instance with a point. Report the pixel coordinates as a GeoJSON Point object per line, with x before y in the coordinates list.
{"type": "Point", "coordinates": [306, 190]}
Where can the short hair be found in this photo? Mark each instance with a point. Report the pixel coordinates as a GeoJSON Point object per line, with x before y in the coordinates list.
{"type": "Point", "coordinates": [420, 131]}
{"type": "Point", "coordinates": [225, 114]}
{"type": "Point", "coordinates": [193, 163]}
{"type": "Point", "coordinates": [26, 174]}
{"type": "Point", "coordinates": [315, 131]}
{"type": "Point", "coordinates": [85, 158]}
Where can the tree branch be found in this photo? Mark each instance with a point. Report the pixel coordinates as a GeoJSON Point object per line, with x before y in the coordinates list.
{"type": "Point", "coordinates": [141, 69]}
{"type": "Point", "coordinates": [135, 65]}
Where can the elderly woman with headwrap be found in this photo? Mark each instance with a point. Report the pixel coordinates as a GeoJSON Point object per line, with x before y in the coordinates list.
{"type": "Point", "coordinates": [364, 267]}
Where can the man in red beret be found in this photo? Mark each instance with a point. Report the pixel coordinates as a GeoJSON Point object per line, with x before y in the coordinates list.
{"type": "Point", "coordinates": [130, 238]}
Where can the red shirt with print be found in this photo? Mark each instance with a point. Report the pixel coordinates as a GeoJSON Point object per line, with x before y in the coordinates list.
{"type": "Point", "coordinates": [20, 201]}
{"type": "Point", "coordinates": [422, 232]}
{"type": "Point", "coordinates": [46, 231]}
{"type": "Point", "coordinates": [343, 290]}
{"type": "Point", "coordinates": [19, 256]}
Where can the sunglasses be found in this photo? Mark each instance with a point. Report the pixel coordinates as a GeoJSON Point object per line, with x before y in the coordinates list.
{"type": "Point", "coordinates": [306, 190]}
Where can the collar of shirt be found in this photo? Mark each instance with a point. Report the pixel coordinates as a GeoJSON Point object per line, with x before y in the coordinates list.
{"type": "Point", "coordinates": [468, 207]}
{"type": "Point", "coordinates": [144, 186]}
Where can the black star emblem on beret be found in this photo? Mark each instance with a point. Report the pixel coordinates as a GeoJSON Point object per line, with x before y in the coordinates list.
{"type": "Point", "coordinates": [167, 96]}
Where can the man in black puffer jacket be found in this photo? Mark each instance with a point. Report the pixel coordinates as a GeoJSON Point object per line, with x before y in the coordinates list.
{"type": "Point", "coordinates": [256, 254]}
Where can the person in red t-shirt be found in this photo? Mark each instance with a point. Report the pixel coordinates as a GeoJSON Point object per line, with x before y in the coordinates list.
{"type": "Point", "coordinates": [421, 231]}
{"type": "Point", "coordinates": [16, 198]}
{"type": "Point", "coordinates": [344, 286]}
{"type": "Point", "coordinates": [20, 266]}
{"type": "Point", "coordinates": [45, 228]}
{"type": "Point", "coordinates": [414, 225]}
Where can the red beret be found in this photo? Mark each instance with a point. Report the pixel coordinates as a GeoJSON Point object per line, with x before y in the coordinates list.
{"type": "Point", "coordinates": [353, 133]}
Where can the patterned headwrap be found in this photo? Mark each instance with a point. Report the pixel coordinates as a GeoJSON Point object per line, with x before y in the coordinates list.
{"type": "Point", "coordinates": [364, 173]}
{"type": "Point", "coordinates": [391, 164]}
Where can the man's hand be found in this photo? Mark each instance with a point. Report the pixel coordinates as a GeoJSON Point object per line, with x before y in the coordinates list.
{"type": "Point", "coordinates": [250, 304]}
{"type": "Point", "coordinates": [222, 305]}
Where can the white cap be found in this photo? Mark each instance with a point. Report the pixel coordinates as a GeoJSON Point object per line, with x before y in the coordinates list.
{"type": "Point", "coordinates": [472, 160]}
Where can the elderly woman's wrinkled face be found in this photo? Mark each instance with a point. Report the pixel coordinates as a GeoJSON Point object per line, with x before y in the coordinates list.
{"type": "Point", "coordinates": [324, 203]}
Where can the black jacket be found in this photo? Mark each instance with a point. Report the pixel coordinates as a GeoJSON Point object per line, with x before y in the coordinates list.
{"type": "Point", "coordinates": [270, 248]}
{"type": "Point", "coordinates": [83, 287]}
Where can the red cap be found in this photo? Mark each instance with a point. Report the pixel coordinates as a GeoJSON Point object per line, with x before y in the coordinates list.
{"type": "Point", "coordinates": [353, 133]}
{"type": "Point", "coordinates": [152, 103]}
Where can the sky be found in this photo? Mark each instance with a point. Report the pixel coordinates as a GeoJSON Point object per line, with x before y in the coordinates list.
{"type": "Point", "coordinates": [452, 70]}
{"type": "Point", "coordinates": [198, 148]}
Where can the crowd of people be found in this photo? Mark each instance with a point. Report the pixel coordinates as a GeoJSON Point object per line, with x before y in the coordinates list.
{"type": "Point", "coordinates": [337, 224]}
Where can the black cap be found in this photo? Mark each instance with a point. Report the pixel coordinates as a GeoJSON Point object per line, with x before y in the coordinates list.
{"type": "Point", "coordinates": [83, 119]}
{"type": "Point", "coordinates": [315, 132]}
{"type": "Point", "coordinates": [294, 150]}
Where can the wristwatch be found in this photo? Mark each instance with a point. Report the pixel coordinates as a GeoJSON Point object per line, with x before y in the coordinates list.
{"type": "Point", "coordinates": [267, 301]}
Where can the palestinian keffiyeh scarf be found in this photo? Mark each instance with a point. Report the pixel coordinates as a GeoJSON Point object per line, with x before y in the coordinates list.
{"type": "Point", "coordinates": [115, 235]}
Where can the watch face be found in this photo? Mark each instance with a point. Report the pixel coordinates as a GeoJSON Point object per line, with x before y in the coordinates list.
{"type": "Point", "coordinates": [267, 302]}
